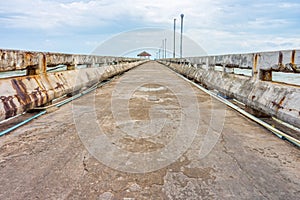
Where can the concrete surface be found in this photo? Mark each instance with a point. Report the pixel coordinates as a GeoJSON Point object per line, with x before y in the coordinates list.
{"type": "Point", "coordinates": [230, 157]}
{"type": "Point", "coordinates": [274, 99]}
{"type": "Point", "coordinates": [284, 61]}
{"type": "Point", "coordinates": [11, 60]}
{"type": "Point", "coordinates": [20, 94]}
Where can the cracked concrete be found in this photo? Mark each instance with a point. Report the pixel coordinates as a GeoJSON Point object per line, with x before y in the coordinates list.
{"type": "Point", "coordinates": [46, 159]}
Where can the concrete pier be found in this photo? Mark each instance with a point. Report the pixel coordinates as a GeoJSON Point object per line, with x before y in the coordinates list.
{"type": "Point", "coordinates": [258, 91]}
{"type": "Point", "coordinates": [42, 84]}
{"type": "Point", "coordinates": [147, 134]}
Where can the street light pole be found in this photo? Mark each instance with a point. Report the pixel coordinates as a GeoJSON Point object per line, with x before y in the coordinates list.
{"type": "Point", "coordinates": [165, 47]}
{"type": "Point", "coordinates": [159, 53]}
{"type": "Point", "coordinates": [182, 15]}
{"type": "Point", "coordinates": [174, 38]}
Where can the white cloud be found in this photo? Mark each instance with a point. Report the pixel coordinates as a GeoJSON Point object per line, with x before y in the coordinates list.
{"type": "Point", "coordinates": [222, 42]}
{"type": "Point", "coordinates": [289, 5]}
{"type": "Point", "coordinates": [265, 23]}
{"type": "Point", "coordinates": [219, 26]}
{"type": "Point", "coordinates": [55, 14]}
{"type": "Point", "coordinates": [38, 14]}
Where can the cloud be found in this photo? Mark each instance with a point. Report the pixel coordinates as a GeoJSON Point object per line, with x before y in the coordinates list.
{"type": "Point", "coordinates": [265, 23]}
{"type": "Point", "coordinates": [223, 42]}
{"type": "Point", "coordinates": [289, 5]}
{"type": "Point", "coordinates": [40, 14]}
{"type": "Point", "coordinates": [213, 24]}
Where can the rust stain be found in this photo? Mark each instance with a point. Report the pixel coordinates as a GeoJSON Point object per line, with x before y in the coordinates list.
{"type": "Point", "coordinates": [20, 88]}
{"type": "Point", "coordinates": [255, 63]}
{"type": "Point", "coordinates": [281, 101]}
{"type": "Point", "coordinates": [40, 92]}
{"type": "Point", "coordinates": [39, 81]}
{"type": "Point", "coordinates": [42, 89]}
{"type": "Point", "coordinates": [49, 82]}
{"type": "Point", "coordinates": [35, 98]}
{"type": "Point", "coordinates": [13, 105]}
{"type": "Point", "coordinates": [23, 97]}
{"type": "Point", "coordinates": [62, 78]}
{"type": "Point", "coordinates": [293, 57]}
{"type": "Point", "coordinates": [28, 58]}
{"type": "Point", "coordinates": [279, 105]}
{"type": "Point", "coordinates": [3, 56]}
{"type": "Point", "coordinates": [65, 80]}
{"type": "Point", "coordinates": [280, 58]}
{"type": "Point", "coordinates": [26, 100]}
{"type": "Point", "coordinates": [47, 96]}
{"type": "Point", "coordinates": [59, 85]}
{"type": "Point", "coordinates": [44, 63]}
{"type": "Point", "coordinates": [9, 106]}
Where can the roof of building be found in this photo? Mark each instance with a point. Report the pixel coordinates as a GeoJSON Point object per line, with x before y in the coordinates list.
{"type": "Point", "coordinates": [144, 53]}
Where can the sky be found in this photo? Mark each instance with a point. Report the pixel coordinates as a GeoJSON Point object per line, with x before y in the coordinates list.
{"type": "Point", "coordinates": [216, 26]}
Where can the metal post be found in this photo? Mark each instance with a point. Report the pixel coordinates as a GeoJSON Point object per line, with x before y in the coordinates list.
{"type": "Point", "coordinates": [159, 53]}
{"type": "Point", "coordinates": [165, 47]}
{"type": "Point", "coordinates": [182, 15]}
{"type": "Point", "coordinates": [174, 47]}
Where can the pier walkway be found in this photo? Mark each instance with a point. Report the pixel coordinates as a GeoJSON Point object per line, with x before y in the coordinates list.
{"type": "Point", "coordinates": [147, 134]}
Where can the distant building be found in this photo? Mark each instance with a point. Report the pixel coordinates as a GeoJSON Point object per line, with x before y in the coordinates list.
{"type": "Point", "coordinates": [144, 54]}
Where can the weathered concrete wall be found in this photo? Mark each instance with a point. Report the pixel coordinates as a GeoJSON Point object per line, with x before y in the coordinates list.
{"type": "Point", "coordinates": [11, 60]}
{"type": "Point", "coordinates": [284, 61]}
{"type": "Point", "coordinates": [19, 94]}
{"type": "Point", "coordinates": [279, 100]}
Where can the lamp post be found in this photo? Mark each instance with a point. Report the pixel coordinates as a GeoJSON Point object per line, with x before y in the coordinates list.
{"type": "Point", "coordinates": [182, 15]}
{"type": "Point", "coordinates": [174, 47]}
{"type": "Point", "coordinates": [165, 47]}
{"type": "Point", "coordinates": [159, 53]}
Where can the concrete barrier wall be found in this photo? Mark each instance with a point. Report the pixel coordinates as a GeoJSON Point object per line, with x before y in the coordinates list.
{"type": "Point", "coordinates": [11, 60]}
{"type": "Point", "coordinates": [20, 94]}
{"type": "Point", "coordinates": [275, 99]}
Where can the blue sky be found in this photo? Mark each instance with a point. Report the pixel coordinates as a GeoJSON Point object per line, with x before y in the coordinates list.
{"type": "Point", "coordinates": [219, 26]}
